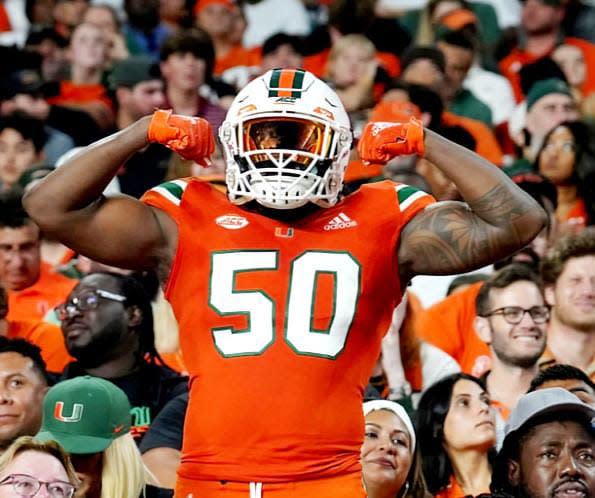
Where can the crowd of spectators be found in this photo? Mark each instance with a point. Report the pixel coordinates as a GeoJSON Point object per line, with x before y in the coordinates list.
{"type": "Point", "coordinates": [447, 411]}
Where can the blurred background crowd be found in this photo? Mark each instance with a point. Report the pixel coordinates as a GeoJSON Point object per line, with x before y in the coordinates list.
{"type": "Point", "coordinates": [512, 80]}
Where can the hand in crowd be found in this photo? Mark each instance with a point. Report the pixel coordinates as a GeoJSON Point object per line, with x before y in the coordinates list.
{"type": "Point", "coordinates": [35, 107]}
{"type": "Point", "coordinates": [118, 49]}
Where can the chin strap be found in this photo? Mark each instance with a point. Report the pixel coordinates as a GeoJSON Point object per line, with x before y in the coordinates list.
{"type": "Point", "coordinates": [255, 490]}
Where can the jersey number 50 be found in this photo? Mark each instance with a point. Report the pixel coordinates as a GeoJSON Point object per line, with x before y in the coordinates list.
{"type": "Point", "coordinates": [260, 309]}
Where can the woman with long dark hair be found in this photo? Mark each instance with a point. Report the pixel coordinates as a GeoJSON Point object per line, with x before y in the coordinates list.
{"type": "Point", "coordinates": [567, 159]}
{"type": "Point", "coordinates": [456, 437]}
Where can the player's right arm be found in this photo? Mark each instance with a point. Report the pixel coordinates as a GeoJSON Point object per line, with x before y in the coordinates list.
{"type": "Point", "coordinates": [68, 204]}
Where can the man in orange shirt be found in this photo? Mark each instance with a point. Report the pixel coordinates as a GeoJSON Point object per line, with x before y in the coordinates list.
{"type": "Point", "coordinates": [45, 336]}
{"type": "Point", "coordinates": [217, 18]}
{"type": "Point", "coordinates": [284, 287]}
{"type": "Point", "coordinates": [33, 287]}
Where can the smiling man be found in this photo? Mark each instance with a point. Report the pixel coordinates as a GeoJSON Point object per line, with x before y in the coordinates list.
{"type": "Point", "coordinates": [569, 276]}
{"type": "Point", "coordinates": [511, 319]}
{"type": "Point", "coordinates": [23, 384]}
{"type": "Point", "coordinates": [549, 448]}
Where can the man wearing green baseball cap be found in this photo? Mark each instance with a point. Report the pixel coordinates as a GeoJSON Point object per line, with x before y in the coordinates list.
{"type": "Point", "coordinates": [138, 88]}
{"type": "Point", "coordinates": [549, 103]}
{"type": "Point", "coordinates": [90, 418]}
{"type": "Point", "coordinates": [137, 91]}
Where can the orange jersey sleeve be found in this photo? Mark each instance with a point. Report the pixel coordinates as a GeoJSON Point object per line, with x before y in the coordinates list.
{"type": "Point", "coordinates": [280, 326]}
{"type": "Point", "coordinates": [174, 361]}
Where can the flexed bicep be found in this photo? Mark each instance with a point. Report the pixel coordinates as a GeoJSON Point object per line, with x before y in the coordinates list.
{"type": "Point", "coordinates": [120, 231]}
{"type": "Point", "coordinates": [452, 237]}
{"type": "Point", "coordinates": [68, 204]}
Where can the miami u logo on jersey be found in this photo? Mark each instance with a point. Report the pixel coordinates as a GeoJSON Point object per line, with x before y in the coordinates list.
{"type": "Point", "coordinates": [77, 412]}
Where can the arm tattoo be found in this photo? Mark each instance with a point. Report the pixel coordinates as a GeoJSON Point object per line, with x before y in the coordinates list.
{"type": "Point", "coordinates": [453, 237]}
{"type": "Point", "coordinates": [500, 207]}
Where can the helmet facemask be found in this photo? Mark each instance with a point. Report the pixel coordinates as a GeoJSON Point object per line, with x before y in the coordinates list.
{"type": "Point", "coordinates": [284, 162]}
{"type": "Point", "coordinates": [286, 151]}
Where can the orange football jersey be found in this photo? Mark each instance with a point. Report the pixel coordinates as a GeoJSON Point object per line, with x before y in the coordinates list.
{"type": "Point", "coordinates": [280, 326]}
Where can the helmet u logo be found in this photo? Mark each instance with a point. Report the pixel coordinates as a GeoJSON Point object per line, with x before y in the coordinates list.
{"type": "Point", "coordinates": [77, 412]}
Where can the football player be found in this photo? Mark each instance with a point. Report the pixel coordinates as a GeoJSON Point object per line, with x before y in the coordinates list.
{"type": "Point", "coordinates": [284, 287]}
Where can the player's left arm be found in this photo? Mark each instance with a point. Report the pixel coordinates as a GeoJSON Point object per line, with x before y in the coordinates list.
{"type": "Point", "coordinates": [496, 219]}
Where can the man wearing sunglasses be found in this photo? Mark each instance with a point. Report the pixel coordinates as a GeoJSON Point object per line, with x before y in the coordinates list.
{"type": "Point", "coordinates": [511, 318]}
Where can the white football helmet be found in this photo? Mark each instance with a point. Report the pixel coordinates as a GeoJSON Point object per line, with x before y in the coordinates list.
{"type": "Point", "coordinates": [287, 140]}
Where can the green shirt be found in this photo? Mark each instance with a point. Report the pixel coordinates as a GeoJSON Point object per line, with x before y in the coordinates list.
{"type": "Point", "coordinates": [468, 105]}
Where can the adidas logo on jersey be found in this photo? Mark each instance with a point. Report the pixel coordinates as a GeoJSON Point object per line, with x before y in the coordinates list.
{"type": "Point", "coordinates": [339, 222]}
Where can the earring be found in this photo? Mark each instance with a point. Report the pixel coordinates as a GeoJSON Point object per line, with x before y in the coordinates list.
{"type": "Point", "coordinates": [404, 490]}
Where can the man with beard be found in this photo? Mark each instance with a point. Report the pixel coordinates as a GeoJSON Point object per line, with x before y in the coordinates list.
{"type": "Point", "coordinates": [511, 318]}
{"type": "Point", "coordinates": [107, 324]}
{"type": "Point", "coordinates": [568, 273]}
{"type": "Point", "coordinates": [549, 448]}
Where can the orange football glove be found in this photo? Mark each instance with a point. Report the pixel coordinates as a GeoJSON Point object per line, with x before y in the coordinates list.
{"type": "Point", "coordinates": [190, 137]}
{"type": "Point", "coordinates": [381, 141]}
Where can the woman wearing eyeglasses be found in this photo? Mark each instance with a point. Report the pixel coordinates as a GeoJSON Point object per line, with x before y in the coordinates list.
{"type": "Point", "coordinates": [31, 468]}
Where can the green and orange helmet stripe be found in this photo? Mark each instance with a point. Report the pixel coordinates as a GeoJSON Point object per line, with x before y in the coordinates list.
{"type": "Point", "coordinates": [286, 83]}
